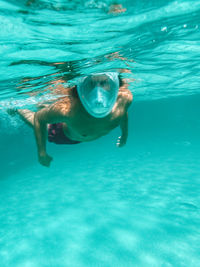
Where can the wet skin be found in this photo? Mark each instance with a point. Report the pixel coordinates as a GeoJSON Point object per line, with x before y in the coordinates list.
{"type": "Point", "coordinates": [79, 125]}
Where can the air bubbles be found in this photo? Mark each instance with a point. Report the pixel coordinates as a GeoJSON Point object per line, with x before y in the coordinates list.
{"type": "Point", "coordinates": [28, 102]}
{"type": "Point", "coordinates": [164, 29]}
{"type": "Point", "coordinates": [95, 4]}
{"type": "Point", "coordinates": [185, 26]}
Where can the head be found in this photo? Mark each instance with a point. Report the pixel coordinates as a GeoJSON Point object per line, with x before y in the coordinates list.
{"type": "Point", "coordinates": [98, 93]}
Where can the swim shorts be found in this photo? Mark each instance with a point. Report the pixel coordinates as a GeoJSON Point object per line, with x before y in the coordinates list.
{"type": "Point", "coordinates": [56, 135]}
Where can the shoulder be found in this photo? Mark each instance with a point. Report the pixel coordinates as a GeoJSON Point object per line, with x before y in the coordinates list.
{"type": "Point", "coordinates": [125, 96]}
{"type": "Point", "coordinates": [65, 106]}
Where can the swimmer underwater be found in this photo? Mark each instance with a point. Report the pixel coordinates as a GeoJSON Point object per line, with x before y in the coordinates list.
{"type": "Point", "coordinates": [97, 105]}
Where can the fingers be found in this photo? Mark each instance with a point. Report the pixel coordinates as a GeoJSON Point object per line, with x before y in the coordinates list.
{"type": "Point", "coordinates": [45, 161]}
{"type": "Point", "coordinates": [120, 142]}
{"type": "Point", "coordinates": [47, 164]}
{"type": "Point", "coordinates": [49, 161]}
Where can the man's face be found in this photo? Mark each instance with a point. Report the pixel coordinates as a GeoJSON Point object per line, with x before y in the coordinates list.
{"type": "Point", "coordinates": [98, 90]}
{"type": "Point", "coordinates": [98, 93]}
{"type": "Point", "coordinates": [102, 81]}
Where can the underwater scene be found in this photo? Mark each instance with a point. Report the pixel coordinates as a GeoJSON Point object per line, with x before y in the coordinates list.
{"type": "Point", "coordinates": [94, 203]}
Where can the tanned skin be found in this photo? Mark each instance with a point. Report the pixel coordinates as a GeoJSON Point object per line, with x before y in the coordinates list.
{"type": "Point", "coordinates": [78, 124]}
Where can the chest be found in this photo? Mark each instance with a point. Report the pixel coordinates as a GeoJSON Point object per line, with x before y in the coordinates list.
{"type": "Point", "coordinates": [84, 125]}
{"type": "Point", "coordinates": [92, 125]}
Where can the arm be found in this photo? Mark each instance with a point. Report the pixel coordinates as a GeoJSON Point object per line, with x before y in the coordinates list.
{"type": "Point", "coordinates": [124, 128]}
{"type": "Point", "coordinates": [40, 129]}
{"type": "Point", "coordinates": [41, 119]}
{"type": "Point", "coordinates": [128, 98]}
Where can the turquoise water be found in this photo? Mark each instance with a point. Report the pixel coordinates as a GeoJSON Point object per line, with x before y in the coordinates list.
{"type": "Point", "coordinates": [98, 205]}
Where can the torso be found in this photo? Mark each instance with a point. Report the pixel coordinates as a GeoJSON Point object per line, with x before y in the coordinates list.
{"type": "Point", "coordinates": [80, 126]}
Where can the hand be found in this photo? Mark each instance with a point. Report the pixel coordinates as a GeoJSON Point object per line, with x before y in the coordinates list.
{"type": "Point", "coordinates": [45, 160]}
{"type": "Point", "coordinates": [121, 141]}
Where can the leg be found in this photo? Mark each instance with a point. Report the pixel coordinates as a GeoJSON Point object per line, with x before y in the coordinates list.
{"type": "Point", "coordinates": [27, 116]}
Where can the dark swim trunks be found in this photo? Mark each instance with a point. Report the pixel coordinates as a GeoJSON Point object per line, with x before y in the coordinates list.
{"type": "Point", "coordinates": [56, 135]}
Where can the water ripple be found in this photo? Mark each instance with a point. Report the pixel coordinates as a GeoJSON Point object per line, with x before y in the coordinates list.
{"type": "Point", "coordinates": [156, 43]}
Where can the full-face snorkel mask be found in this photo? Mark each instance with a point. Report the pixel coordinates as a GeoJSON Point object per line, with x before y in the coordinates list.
{"type": "Point", "coordinates": [98, 93]}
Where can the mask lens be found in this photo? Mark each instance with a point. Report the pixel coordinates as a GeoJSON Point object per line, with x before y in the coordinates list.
{"type": "Point", "coordinates": [98, 94]}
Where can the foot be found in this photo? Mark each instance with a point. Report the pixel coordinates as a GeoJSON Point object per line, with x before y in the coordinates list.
{"type": "Point", "coordinates": [12, 111]}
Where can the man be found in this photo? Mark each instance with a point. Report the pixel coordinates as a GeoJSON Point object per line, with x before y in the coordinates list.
{"type": "Point", "coordinates": [90, 110]}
